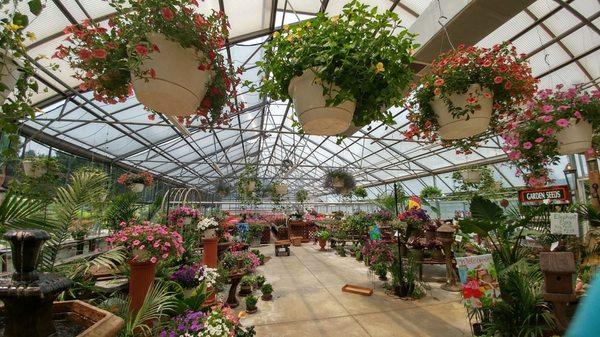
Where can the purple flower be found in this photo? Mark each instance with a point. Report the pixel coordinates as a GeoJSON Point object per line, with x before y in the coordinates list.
{"type": "Point", "coordinates": [186, 276]}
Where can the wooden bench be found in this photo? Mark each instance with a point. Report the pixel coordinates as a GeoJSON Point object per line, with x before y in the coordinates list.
{"type": "Point", "coordinates": [282, 247]}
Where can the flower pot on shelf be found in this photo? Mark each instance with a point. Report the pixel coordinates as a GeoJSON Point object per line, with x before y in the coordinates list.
{"type": "Point", "coordinates": [179, 86]}
{"type": "Point", "coordinates": [33, 169]}
{"type": "Point", "coordinates": [9, 74]}
{"type": "Point", "coordinates": [467, 125]}
{"type": "Point", "coordinates": [250, 186]}
{"type": "Point", "coordinates": [140, 280]}
{"type": "Point", "coordinates": [471, 176]}
{"type": "Point", "coordinates": [315, 116]}
{"type": "Point", "coordinates": [137, 187]}
{"type": "Point", "coordinates": [575, 138]}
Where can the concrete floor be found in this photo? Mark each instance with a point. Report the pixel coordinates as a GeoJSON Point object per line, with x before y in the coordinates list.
{"type": "Point", "coordinates": [308, 301]}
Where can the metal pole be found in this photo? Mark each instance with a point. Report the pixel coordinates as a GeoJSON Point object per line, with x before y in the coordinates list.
{"type": "Point", "coordinates": [400, 268]}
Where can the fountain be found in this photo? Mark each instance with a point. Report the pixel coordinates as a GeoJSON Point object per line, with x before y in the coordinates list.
{"type": "Point", "coordinates": [28, 296]}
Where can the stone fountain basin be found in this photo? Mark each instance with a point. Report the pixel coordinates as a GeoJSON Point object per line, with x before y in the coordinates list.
{"type": "Point", "coordinates": [98, 322]}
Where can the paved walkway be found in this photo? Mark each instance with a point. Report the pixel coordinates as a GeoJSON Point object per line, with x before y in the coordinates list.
{"type": "Point", "coordinates": [308, 301]}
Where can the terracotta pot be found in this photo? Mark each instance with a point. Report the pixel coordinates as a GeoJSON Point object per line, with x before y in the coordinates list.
{"type": "Point", "coordinates": [210, 252]}
{"type": "Point", "coordinates": [34, 171]}
{"type": "Point", "coordinates": [322, 244]}
{"type": "Point", "coordinates": [140, 280]}
{"type": "Point", "coordinates": [9, 74]}
{"type": "Point", "coordinates": [457, 128]}
{"type": "Point", "coordinates": [179, 86]}
{"type": "Point", "coordinates": [315, 116]}
{"type": "Point", "coordinates": [471, 176]}
{"type": "Point", "coordinates": [137, 187]}
{"type": "Point", "coordinates": [575, 138]}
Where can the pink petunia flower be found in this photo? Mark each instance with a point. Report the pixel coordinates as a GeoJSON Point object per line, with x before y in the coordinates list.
{"type": "Point", "coordinates": [539, 139]}
{"type": "Point", "coordinates": [562, 122]}
{"type": "Point", "coordinates": [527, 145]}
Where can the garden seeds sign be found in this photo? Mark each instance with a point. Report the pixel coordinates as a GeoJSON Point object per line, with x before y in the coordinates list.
{"type": "Point", "coordinates": [479, 280]}
{"type": "Point", "coordinates": [564, 223]}
{"type": "Point", "coordinates": [556, 195]}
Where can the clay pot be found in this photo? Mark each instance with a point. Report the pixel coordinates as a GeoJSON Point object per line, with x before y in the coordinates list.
{"type": "Point", "coordinates": [210, 252]}
{"type": "Point", "coordinates": [179, 86]}
{"type": "Point", "coordinates": [140, 280]}
{"type": "Point", "coordinates": [313, 113]}
{"type": "Point", "coordinates": [458, 128]}
{"type": "Point", "coordinates": [322, 244]}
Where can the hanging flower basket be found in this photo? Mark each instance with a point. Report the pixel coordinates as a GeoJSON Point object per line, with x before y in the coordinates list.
{"type": "Point", "coordinates": [310, 102]}
{"type": "Point", "coordinates": [136, 187]}
{"type": "Point", "coordinates": [575, 138]}
{"type": "Point", "coordinates": [338, 182]}
{"type": "Point", "coordinates": [471, 176]}
{"type": "Point", "coordinates": [9, 74]}
{"type": "Point", "coordinates": [34, 168]}
{"type": "Point", "coordinates": [469, 125]}
{"type": "Point", "coordinates": [281, 189]}
{"type": "Point", "coordinates": [250, 186]}
{"type": "Point", "coordinates": [178, 86]}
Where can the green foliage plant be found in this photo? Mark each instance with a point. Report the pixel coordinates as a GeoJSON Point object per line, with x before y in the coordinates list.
{"type": "Point", "coordinates": [430, 192]}
{"type": "Point", "coordinates": [301, 196]}
{"type": "Point", "coordinates": [266, 289]}
{"type": "Point", "coordinates": [365, 53]}
{"type": "Point", "coordinates": [246, 197]}
{"type": "Point", "coordinates": [251, 301]}
{"type": "Point", "coordinates": [322, 234]}
{"type": "Point", "coordinates": [360, 192]}
{"type": "Point", "coordinates": [341, 175]}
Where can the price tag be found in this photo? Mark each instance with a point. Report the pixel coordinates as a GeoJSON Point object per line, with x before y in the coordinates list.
{"type": "Point", "coordinates": [458, 238]}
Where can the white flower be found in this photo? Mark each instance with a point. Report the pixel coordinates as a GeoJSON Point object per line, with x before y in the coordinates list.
{"type": "Point", "coordinates": [207, 223]}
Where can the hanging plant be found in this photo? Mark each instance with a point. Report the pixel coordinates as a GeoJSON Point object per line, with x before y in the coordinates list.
{"type": "Point", "coordinates": [301, 195]}
{"type": "Point", "coordinates": [557, 122]}
{"type": "Point", "coordinates": [340, 181]}
{"type": "Point", "coordinates": [249, 186]}
{"type": "Point", "coordinates": [165, 51]}
{"type": "Point", "coordinates": [468, 92]}
{"type": "Point", "coordinates": [360, 192]}
{"type": "Point", "coordinates": [136, 181]}
{"type": "Point", "coordinates": [17, 84]}
{"type": "Point", "coordinates": [338, 70]}
{"type": "Point", "coordinates": [430, 192]}
{"type": "Point", "coordinates": [223, 189]}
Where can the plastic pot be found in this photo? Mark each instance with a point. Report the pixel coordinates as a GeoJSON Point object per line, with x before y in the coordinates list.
{"type": "Point", "coordinates": [137, 187]}
{"type": "Point", "coordinates": [575, 138]}
{"type": "Point", "coordinates": [471, 176]}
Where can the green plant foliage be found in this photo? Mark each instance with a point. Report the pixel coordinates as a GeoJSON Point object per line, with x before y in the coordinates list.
{"type": "Point", "coordinates": [342, 176]}
{"type": "Point", "coordinates": [247, 280]}
{"type": "Point", "coordinates": [251, 301]}
{"type": "Point", "coordinates": [259, 280]}
{"type": "Point", "coordinates": [322, 235]}
{"type": "Point", "coordinates": [121, 207]}
{"type": "Point", "coordinates": [44, 187]}
{"type": "Point", "coordinates": [387, 201]}
{"type": "Point", "coordinates": [266, 288]}
{"type": "Point", "coordinates": [246, 197]}
{"type": "Point", "coordinates": [301, 196]}
{"type": "Point", "coordinates": [430, 192]}
{"type": "Point", "coordinates": [17, 212]}
{"type": "Point", "coordinates": [360, 192]}
{"type": "Point", "coordinates": [365, 53]}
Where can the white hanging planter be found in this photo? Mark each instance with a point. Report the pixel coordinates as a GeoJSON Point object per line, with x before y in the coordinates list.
{"type": "Point", "coordinates": [137, 187]}
{"type": "Point", "coordinates": [281, 189]}
{"type": "Point", "coordinates": [250, 186]}
{"type": "Point", "coordinates": [338, 182]}
{"type": "Point", "coordinates": [9, 74]}
{"type": "Point", "coordinates": [33, 169]}
{"type": "Point", "coordinates": [317, 118]}
{"type": "Point", "coordinates": [471, 176]}
{"type": "Point", "coordinates": [457, 128]}
{"type": "Point", "coordinates": [179, 86]}
{"type": "Point", "coordinates": [575, 138]}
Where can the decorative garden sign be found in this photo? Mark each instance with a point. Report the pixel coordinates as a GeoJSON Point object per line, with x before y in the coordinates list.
{"type": "Point", "coordinates": [564, 223]}
{"type": "Point", "coordinates": [479, 280]}
{"type": "Point", "coordinates": [557, 195]}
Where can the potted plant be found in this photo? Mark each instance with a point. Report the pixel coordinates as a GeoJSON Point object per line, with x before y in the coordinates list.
{"type": "Point", "coordinates": [79, 229]}
{"type": "Point", "coordinates": [16, 72]}
{"type": "Point", "coordinates": [183, 216]}
{"type": "Point", "coordinates": [249, 186]}
{"type": "Point", "coordinates": [381, 270]}
{"type": "Point", "coordinates": [416, 249]}
{"type": "Point", "coordinates": [303, 62]}
{"type": "Point", "coordinates": [208, 227]}
{"type": "Point", "coordinates": [36, 167]}
{"type": "Point", "coordinates": [469, 91]}
{"type": "Point", "coordinates": [301, 196]}
{"type": "Point", "coordinates": [255, 231]}
{"type": "Point", "coordinates": [471, 176]}
{"type": "Point", "coordinates": [246, 285]}
{"type": "Point", "coordinates": [222, 189]}
{"type": "Point", "coordinates": [260, 256]}
{"type": "Point", "coordinates": [280, 189]}
{"type": "Point", "coordinates": [341, 251]}
{"type": "Point", "coordinates": [430, 229]}
{"type": "Point", "coordinates": [136, 182]}
{"type": "Point", "coordinates": [187, 277]}
{"type": "Point", "coordinates": [360, 192]}
{"type": "Point", "coordinates": [339, 181]}
{"type": "Point", "coordinates": [267, 292]}
{"type": "Point", "coordinates": [146, 244]}
{"type": "Point", "coordinates": [322, 236]}
{"type": "Point", "coordinates": [167, 52]}
{"type": "Point", "coordinates": [259, 280]}
{"type": "Point", "coordinates": [556, 122]}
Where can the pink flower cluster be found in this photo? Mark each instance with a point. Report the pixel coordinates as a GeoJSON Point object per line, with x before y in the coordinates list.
{"type": "Point", "coordinates": [148, 242]}
{"type": "Point", "coordinates": [249, 259]}
{"type": "Point", "coordinates": [178, 216]}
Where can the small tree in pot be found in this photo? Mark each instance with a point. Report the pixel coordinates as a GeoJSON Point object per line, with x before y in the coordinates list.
{"type": "Point", "coordinates": [322, 236]}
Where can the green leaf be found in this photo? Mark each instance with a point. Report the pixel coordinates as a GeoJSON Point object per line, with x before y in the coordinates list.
{"type": "Point", "coordinates": [482, 228]}
{"type": "Point", "coordinates": [20, 19]}
{"type": "Point", "coordinates": [35, 6]}
{"type": "Point", "coordinates": [484, 209]}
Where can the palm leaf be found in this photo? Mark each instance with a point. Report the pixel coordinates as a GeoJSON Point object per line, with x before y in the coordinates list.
{"type": "Point", "coordinates": [17, 212]}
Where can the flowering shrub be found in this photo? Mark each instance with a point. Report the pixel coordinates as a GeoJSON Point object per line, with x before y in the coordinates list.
{"type": "Point", "coordinates": [180, 214]}
{"type": "Point", "coordinates": [377, 252]}
{"type": "Point", "coordinates": [192, 276]}
{"type": "Point", "coordinates": [148, 242]}
{"type": "Point", "coordinates": [105, 59]}
{"type": "Point", "coordinates": [207, 223]}
{"type": "Point", "coordinates": [373, 79]}
{"type": "Point", "coordinates": [417, 216]}
{"type": "Point", "coordinates": [382, 215]}
{"type": "Point", "coordinates": [240, 260]}
{"type": "Point", "coordinates": [132, 178]}
{"type": "Point", "coordinates": [499, 69]}
{"type": "Point", "coordinates": [220, 322]}
{"type": "Point", "coordinates": [530, 137]}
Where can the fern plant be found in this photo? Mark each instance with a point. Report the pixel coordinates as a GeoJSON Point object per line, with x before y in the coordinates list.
{"type": "Point", "coordinates": [81, 192]}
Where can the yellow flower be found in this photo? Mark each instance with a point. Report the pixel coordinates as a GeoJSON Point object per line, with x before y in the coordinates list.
{"type": "Point", "coordinates": [379, 68]}
{"type": "Point", "coordinates": [299, 29]}
{"type": "Point", "coordinates": [276, 34]}
{"type": "Point", "coordinates": [290, 37]}
{"type": "Point", "coordinates": [335, 18]}
{"type": "Point", "coordinates": [13, 27]}
{"type": "Point", "coordinates": [31, 36]}
{"type": "Point", "coordinates": [286, 27]}
{"type": "Point", "coordinates": [308, 24]}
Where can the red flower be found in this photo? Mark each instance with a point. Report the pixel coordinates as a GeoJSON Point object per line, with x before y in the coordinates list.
{"type": "Point", "coordinates": [151, 117]}
{"type": "Point", "coordinates": [206, 102]}
{"type": "Point", "coordinates": [498, 79]}
{"type": "Point", "coordinates": [84, 54]}
{"type": "Point", "coordinates": [152, 73]}
{"type": "Point", "coordinates": [166, 13]}
{"type": "Point", "coordinates": [507, 85]}
{"type": "Point", "coordinates": [141, 49]}
{"type": "Point", "coordinates": [214, 90]}
{"type": "Point", "coordinates": [99, 53]}
{"type": "Point", "coordinates": [155, 48]}
{"type": "Point", "coordinates": [439, 82]}
{"type": "Point", "coordinates": [211, 55]}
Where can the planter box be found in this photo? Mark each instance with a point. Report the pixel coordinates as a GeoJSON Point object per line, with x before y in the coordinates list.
{"type": "Point", "coordinates": [349, 288]}
{"type": "Point", "coordinates": [99, 323]}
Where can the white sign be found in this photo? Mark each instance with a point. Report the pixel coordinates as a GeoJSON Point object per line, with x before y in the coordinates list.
{"type": "Point", "coordinates": [564, 223]}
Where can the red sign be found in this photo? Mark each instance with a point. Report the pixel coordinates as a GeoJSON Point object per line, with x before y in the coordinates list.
{"type": "Point", "coordinates": [557, 195]}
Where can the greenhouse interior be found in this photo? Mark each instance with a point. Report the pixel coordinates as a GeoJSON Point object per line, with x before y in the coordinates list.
{"type": "Point", "coordinates": [234, 168]}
